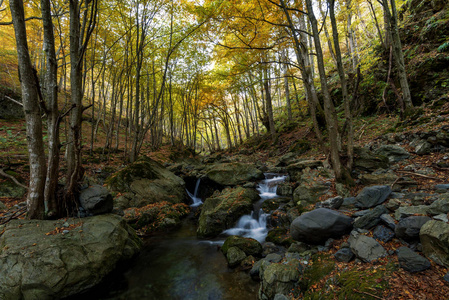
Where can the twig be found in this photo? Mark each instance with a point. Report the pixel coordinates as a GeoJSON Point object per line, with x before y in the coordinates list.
{"type": "Point", "coordinates": [368, 294]}
{"type": "Point", "coordinates": [15, 101]}
{"type": "Point", "coordinates": [417, 174]}
{"type": "Point", "coordinates": [15, 215]}
{"type": "Point", "coordinates": [2, 172]}
{"type": "Point", "coordinates": [397, 179]}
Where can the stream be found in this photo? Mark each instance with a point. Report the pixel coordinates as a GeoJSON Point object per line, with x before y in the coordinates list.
{"type": "Point", "coordinates": [178, 265]}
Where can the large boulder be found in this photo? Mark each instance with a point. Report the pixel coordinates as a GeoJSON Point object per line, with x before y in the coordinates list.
{"type": "Point", "coordinates": [279, 278]}
{"type": "Point", "coordinates": [408, 228]}
{"type": "Point", "coordinates": [372, 196]}
{"type": "Point", "coordinates": [411, 261]}
{"type": "Point", "coordinates": [394, 153]}
{"type": "Point", "coordinates": [149, 182]}
{"type": "Point", "coordinates": [434, 236]}
{"type": "Point", "coordinates": [366, 248]}
{"type": "Point", "coordinates": [223, 209]}
{"type": "Point", "coordinates": [42, 260]}
{"type": "Point", "coordinates": [96, 200]}
{"type": "Point", "coordinates": [247, 245]}
{"type": "Point", "coordinates": [231, 174]}
{"type": "Point", "coordinates": [318, 225]}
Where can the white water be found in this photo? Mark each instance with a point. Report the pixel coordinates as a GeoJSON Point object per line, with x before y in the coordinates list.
{"type": "Point", "coordinates": [196, 200]}
{"type": "Point", "coordinates": [255, 225]}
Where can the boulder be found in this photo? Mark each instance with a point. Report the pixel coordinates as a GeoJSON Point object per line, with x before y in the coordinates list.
{"type": "Point", "coordinates": [394, 153]}
{"type": "Point", "coordinates": [370, 219]}
{"type": "Point", "coordinates": [408, 228]}
{"type": "Point", "coordinates": [235, 256]}
{"type": "Point", "coordinates": [366, 248]}
{"type": "Point", "coordinates": [38, 261]}
{"type": "Point", "coordinates": [307, 194]}
{"type": "Point", "coordinates": [372, 196]}
{"type": "Point", "coordinates": [280, 279]}
{"type": "Point", "coordinates": [332, 203]}
{"type": "Point", "coordinates": [295, 170]}
{"type": "Point", "coordinates": [247, 245]}
{"type": "Point", "coordinates": [434, 236]}
{"type": "Point", "coordinates": [344, 255]}
{"type": "Point", "coordinates": [411, 261]}
{"type": "Point", "coordinates": [96, 200]}
{"type": "Point", "coordinates": [318, 225]}
{"type": "Point", "coordinates": [284, 189]}
{"type": "Point", "coordinates": [149, 182]}
{"type": "Point", "coordinates": [383, 234]}
{"type": "Point", "coordinates": [408, 211]}
{"type": "Point", "coordinates": [366, 160]}
{"type": "Point", "coordinates": [231, 174]}
{"type": "Point", "coordinates": [223, 209]}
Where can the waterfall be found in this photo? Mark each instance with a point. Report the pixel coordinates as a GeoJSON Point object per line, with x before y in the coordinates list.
{"type": "Point", "coordinates": [255, 225]}
{"type": "Point", "coordinates": [196, 200]}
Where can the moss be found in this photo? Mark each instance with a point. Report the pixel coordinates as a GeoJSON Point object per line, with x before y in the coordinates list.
{"type": "Point", "coordinates": [322, 265]}
{"type": "Point", "coordinates": [280, 236]}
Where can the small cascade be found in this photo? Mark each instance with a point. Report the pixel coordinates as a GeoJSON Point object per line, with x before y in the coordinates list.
{"type": "Point", "coordinates": [255, 225]}
{"type": "Point", "coordinates": [196, 200]}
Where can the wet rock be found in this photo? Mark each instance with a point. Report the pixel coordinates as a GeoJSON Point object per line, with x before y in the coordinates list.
{"type": "Point", "coordinates": [280, 279]}
{"type": "Point", "coordinates": [247, 245]}
{"type": "Point", "coordinates": [39, 266]}
{"type": "Point", "coordinates": [372, 196]}
{"type": "Point", "coordinates": [383, 234]}
{"type": "Point", "coordinates": [223, 209]}
{"type": "Point", "coordinates": [231, 174]}
{"type": "Point", "coordinates": [394, 153]}
{"type": "Point", "coordinates": [412, 261]}
{"type": "Point", "coordinates": [96, 200]}
{"type": "Point", "coordinates": [235, 256]}
{"type": "Point", "coordinates": [366, 248]}
{"type": "Point", "coordinates": [318, 225]}
{"type": "Point", "coordinates": [332, 203]}
{"type": "Point", "coordinates": [370, 219]}
{"type": "Point", "coordinates": [344, 255]}
{"type": "Point", "coordinates": [434, 236]}
{"type": "Point", "coordinates": [408, 228]}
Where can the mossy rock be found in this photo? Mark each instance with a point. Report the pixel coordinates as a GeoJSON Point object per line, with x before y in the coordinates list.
{"type": "Point", "coordinates": [247, 245]}
{"type": "Point", "coordinates": [321, 266]}
{"type": "Point", "coordinates": [280, 236]}
{"type": "Point", "coordinates": [231, 174]}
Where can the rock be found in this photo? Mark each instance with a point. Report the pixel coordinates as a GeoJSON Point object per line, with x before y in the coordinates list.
{"type": "Point", "coordinates": [332, 203]}
{"type": "Point", "coordinates": [393, 204]}
{"type": "Point", "coordinates": [295, 170]}
{"type": "Point", "coordinates": [372, 196]}
{"type": "Point", "coordinates": [273, 258]}
{"type": "Point", "coordinates": [96, 200]}
{"type": "Point", "coordinates": [446, 277]}
{"type": "Point", "coordinates": [394, 153]}
{"type": "Point", "coordinates": [149, 182]}
{"type": "Point", "coordinates": [280, 297]}
{"type": "Point", "coordinates": [39, 266]}
{"type": "Point", "coordinates": [423, 148]}
{"type": "Point", "coordinates": [223, 209]}
{"type": "Point", "coordinates": [440, 206]}
{"type": "Point", "coordinates": [388, 220]}
{"type": "Point", "coordinates": [383, 234]}
{"type": "Point", "coordinates": [412, 261]}
{"type": "Point", "coordinates": [284, 189]}
{"type": "Point", "coordinates": [442, 217]}
{"type": "Point", "coordinates": [280, 279]}
{"type": "Point", "coordinates": [298, 247]}
{"type": "Point", "coordinates": [318, 225]}
{"type": "Point", "coordinates": [279, 236]}
{"type": "Point", "coordinates": [235, 256]}
{"type": "Point", "coordinates": [286, 159]}
{"type": "Point", "coordinates": [366, 248]}
{"type": "Point", "coordinates": [408, 228]}
{"type": "Point", "coordinates": [247, 245]}
{"type": "Point", "coordinates": [407, 211]}
{"type": "Point", "coordinates": [344, 255]}
{"type": "Point", "coordinates": [307, 194]}
{"type": "Point", "coordinates": [366, 160]}
{"type": "Point", "coordinates": [434, 236]}
{"type": "Point", "coordinates": [9, 189]}
{"type": "Point", "coordinates": [231, 174]}
{"type": "Point", "coordinates": [348, 202]}
{"type": "Point", "coordinates": [2, 206]}
{"type": "Point", "coordinates": [382, 178]}
{"type": "Point", "coordinates": [248, 262]}
{"type": "Point", "coordinates": [442, 186]}
{"type": "Point", "coordinates": [371, 219]}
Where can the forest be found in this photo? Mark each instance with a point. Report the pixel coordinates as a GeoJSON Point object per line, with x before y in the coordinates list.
{"type": "Point", "coordinates": [307, 140]}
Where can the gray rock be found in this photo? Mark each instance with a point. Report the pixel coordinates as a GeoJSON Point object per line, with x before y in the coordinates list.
{"type": "Point", "coordinates": [280, 297]}
{"type": "Point", "coordinates": [440, 206]}
{"type": "Point", "coordinates": [434, 236]}
{"type": "Point", "coordinates": [442, 217]}
{"type": "Point", "coordinates": [383, 234]}
{"type": "Point", "coordinates": [318, 225]}
{"type": "Point", "coordinates": [307, 194]}
{"type": "Point", "coordinates": [280, 279]}
{"type": "Point", "coordinates": [442, 186]}
{"type": "Point", "coordinates": [235, 256]}
{"type": "Point", "coordinates": [284, 189]}
{"type": "Point", "coordinates": [366, 248]}
{"type": "Point", "coordinates": [344, 255]}
{"type": "Point", "coordinates": [423, 148]}
{"type": "Point", "coordinates": [408, 228]}
{"type": "Point", "coordinates": [333, 203]}
{"type": "Point", "coordinates": [231, 174]}
{"type": "Point", "coordinates": [96, 200]}
{"type": "Point", "coordinates": [372, 196]}
{"type": "Point", "coordinates": [366, 160]}
{"type": "Point", "coordinates": [273, 258]}
{"type": "Point", "coordinates": [408, 211]}
{"type": "Point", "coordinates": [412, 261]}
{"type": "Point", "coordinates": [394, 153]}
{"type": "Point", "coordinates": [388, 220]}
{"type": "Point", "coordinates": [370, 219]}
{"type": "Point", "coordinates": [39, 266]}
{"type": "Point", "coordinates": [348, 202]}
